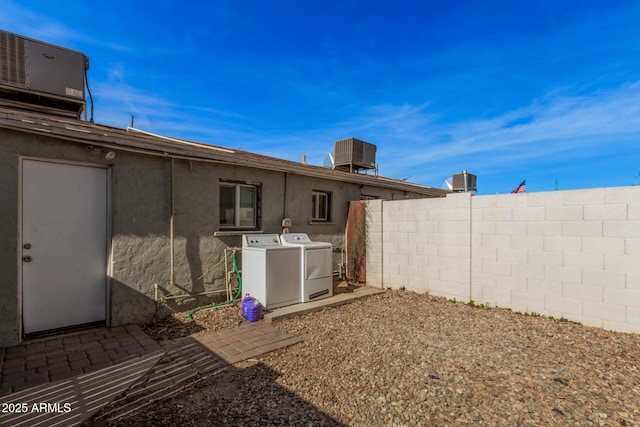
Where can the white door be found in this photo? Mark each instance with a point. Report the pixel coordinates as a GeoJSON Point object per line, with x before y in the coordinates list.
{"type": "Point", "coordinates": [64, 245]}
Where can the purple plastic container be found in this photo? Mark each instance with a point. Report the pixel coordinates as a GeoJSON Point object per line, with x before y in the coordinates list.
{"type": "Point", "coordinates": [251, 309]}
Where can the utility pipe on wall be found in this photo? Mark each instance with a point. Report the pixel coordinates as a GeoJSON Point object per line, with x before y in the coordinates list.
{"type": "Point", "coordinates": [172, 297]}
{"type": "Point", "coordinates": [284, 205]}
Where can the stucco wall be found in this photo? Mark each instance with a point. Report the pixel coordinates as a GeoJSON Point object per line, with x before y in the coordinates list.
{"type": "Point", "coordinates": [8, 242]}
{"type": "Point", "coordinates": [141, 211]}
{"type": "Point", "coordinates": [572, 254]}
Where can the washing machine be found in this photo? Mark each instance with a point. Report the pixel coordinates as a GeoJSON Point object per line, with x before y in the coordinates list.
{"type": "Point", "coordinates": [270, 271]}
{"type": "Point", "coordinates": [316, 266]}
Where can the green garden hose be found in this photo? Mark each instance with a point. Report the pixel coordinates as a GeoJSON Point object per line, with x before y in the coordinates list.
{"type": "Point", "coordinates": [235, 268]}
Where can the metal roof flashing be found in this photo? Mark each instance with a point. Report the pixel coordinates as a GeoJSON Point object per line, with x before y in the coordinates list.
{"type": "Point", "coordinates": [142, 142]}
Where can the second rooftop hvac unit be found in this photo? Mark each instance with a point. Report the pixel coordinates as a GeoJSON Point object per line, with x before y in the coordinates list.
{"type": "Point", "coordinates": [459, 184]}
{"type": "Point", "coordinates": [353, 154]}
{"type": "Point", "coordinates": [41, 76]}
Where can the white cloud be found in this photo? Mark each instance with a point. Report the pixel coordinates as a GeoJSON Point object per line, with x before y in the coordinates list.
{"type": "Point", "coordinates": [18, 19]}
{"type": "Point", "coordinates": [563, 126]}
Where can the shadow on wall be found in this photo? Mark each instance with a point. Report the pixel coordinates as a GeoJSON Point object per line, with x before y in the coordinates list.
{"type": "Point", "coordinates": [129, 306]}
{"type": "Point", "coordinates": [134, 297]}
{"type": "Point", "coordinates": [195, 263]}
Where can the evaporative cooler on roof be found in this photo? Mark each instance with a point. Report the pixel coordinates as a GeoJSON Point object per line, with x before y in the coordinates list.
{"type": "Point", "coordinates": [459, 184]}
{"type": "Point", "coordinates": [41, 76]}
{"type": "Point", "coordinates": [353, 154]}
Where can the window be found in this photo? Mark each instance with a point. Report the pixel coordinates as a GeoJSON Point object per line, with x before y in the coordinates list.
{"type": "Point", "coordinates": [239, 205]}
{"type": "Point", "coordinates": [321, 210]}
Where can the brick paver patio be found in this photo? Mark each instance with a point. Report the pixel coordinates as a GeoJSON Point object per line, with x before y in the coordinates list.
{"type": "Point", "coordinates": [78, 374]}
{"type": "Point", "coordinates": [87, 370]}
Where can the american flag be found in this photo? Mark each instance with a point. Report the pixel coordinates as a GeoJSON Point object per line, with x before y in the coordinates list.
{"type": "Point", "coordinates": [520, 188]}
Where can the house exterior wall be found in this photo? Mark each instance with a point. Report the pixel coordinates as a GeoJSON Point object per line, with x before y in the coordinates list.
{"type": "Point", "coordinates": [8, 243]}
{"type": "Point", "coordinates": [572, 254]}
{"type": "Point", "coordinates": [141, 211]}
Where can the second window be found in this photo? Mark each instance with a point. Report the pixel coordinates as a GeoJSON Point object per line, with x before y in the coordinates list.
{"type": "Point", "coordinates": [321, 209]}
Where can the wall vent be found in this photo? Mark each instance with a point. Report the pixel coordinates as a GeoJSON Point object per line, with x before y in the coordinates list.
{"type": "Point", "coordinates": [12, 58]}
{"type": "Point", "coordinates": [41, 76]}
{"type": "Point", "coordinates": [353, 154]}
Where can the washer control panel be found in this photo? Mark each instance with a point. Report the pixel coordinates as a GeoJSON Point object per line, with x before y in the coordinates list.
{"type": "Point", "coordinates": [252, 240]}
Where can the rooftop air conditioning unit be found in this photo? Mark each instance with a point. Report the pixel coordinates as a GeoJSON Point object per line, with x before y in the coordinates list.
{"type": "Point", "coordinates": [41, 76]}
{"type": "Point", "coordinates": [459, 185]}
{"type": "Point", "coordinates": [353, 154]}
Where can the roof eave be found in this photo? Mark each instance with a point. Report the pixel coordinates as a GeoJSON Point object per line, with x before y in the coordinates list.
{"type": "Point", "coordinates": [116, 138]}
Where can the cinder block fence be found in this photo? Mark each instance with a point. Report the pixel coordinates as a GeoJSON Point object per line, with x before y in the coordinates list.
{"type": "Point", "coordinates": [566, 254]}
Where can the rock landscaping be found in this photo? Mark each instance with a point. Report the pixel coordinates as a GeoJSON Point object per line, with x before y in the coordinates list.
{"type": "Point", "coordinates": [404, 359]}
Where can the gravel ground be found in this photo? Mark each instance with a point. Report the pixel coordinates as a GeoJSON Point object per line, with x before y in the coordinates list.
{"type": "Point", "coordinates": [406, 359]}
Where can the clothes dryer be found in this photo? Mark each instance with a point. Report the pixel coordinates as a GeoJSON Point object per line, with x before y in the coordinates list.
{"type": "Point", "coordinates": [316, 280]}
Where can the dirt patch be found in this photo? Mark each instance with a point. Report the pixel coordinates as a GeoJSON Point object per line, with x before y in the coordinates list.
{"type": "Point", "coordinates": [177, 325]}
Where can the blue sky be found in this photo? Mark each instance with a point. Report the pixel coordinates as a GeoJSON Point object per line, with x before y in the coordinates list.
{"type": "Point", "coordinates": [547, 91]}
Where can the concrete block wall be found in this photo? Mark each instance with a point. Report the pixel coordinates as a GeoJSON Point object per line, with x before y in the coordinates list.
{"type": "Point", "coordinates": [567, 254]}
{"type": "Point", "coordinates": [421, 245]}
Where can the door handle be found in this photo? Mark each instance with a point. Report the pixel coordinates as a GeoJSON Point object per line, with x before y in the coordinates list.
{"type": "Point", "coordinates": [27, 259]}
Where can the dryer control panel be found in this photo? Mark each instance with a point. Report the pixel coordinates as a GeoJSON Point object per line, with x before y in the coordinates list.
{"type": "Point", "coordinates": [296, 238]}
